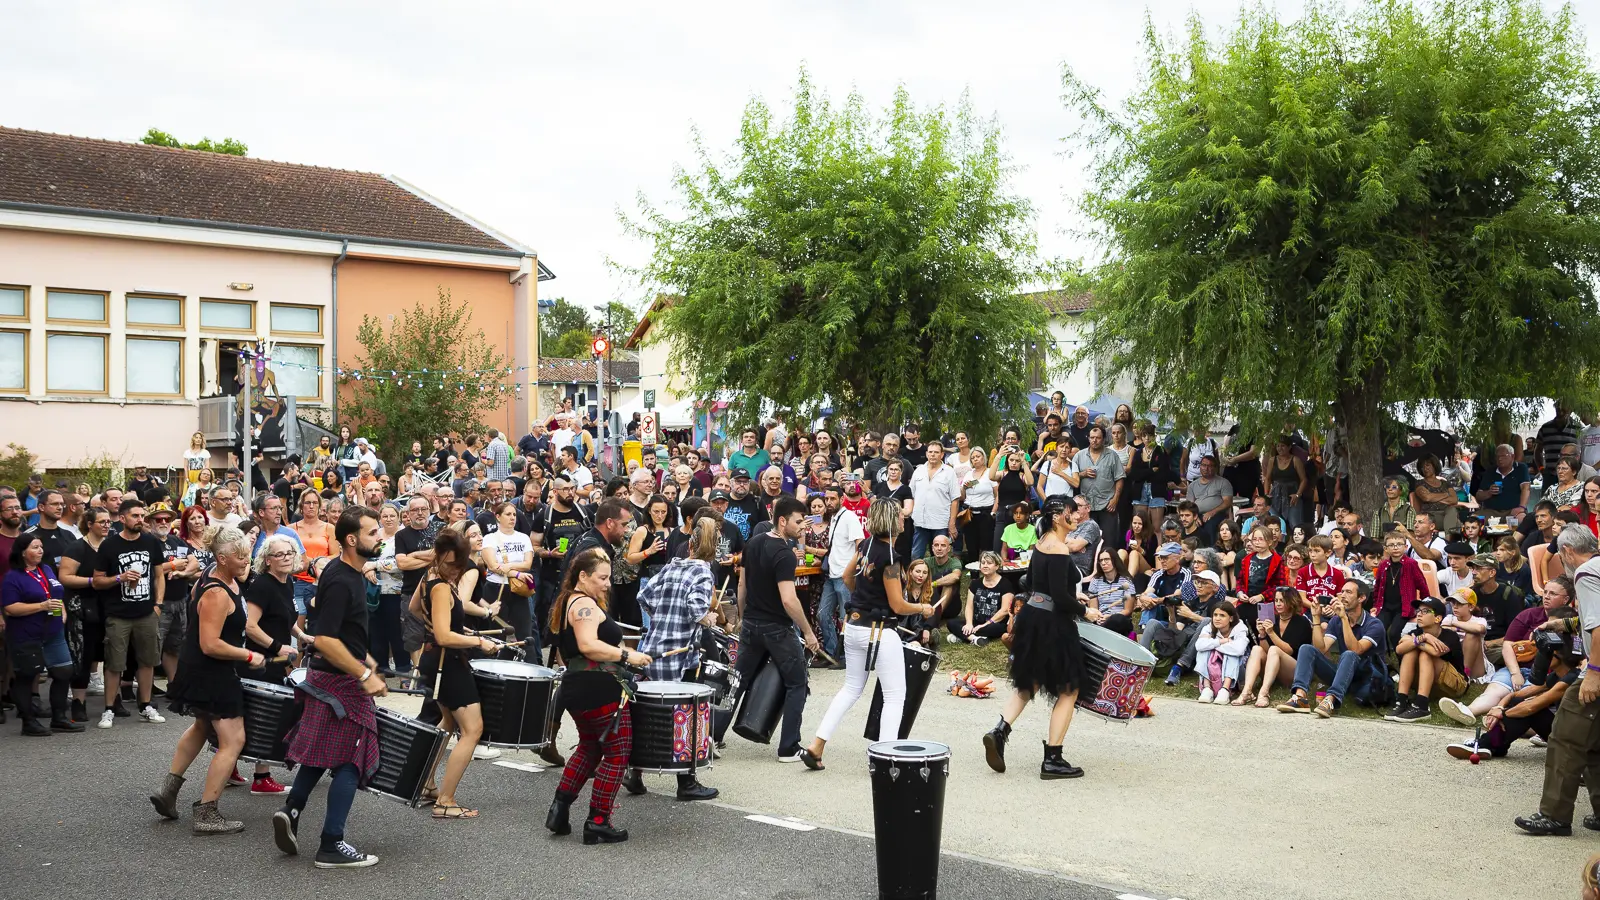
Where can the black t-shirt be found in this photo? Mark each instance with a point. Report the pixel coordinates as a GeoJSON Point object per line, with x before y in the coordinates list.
{"type": "Point", "coordinates": [1499, 608]}
{"type": "Point", "coordinates": [1296, 634]}
{"type": "Point", "coordinates": [55, 541]}
{"type": "Point", "coordinates": [743, 512]}
{"type": "Point", "coordinates": [178, 551]}
{"type": "Point", "coordinates": [768, 560]}
{"type": "Point", "coordinates": [986, 600]}
{"type": "Point", "coordinates": [410, 540]}
{"type": "Point", "coordinates": [870, 598]}
{"type": "Point", "coordinates": [871, 468]}
{"type": "Point", "coordinates": [341, 604]}
{"type": "Point", "coordinates": [138, 486]}
{"type": "Point", "coordinates": [590, 540]}
{"type": "Point", "coordinates": [729, 542]}
{"type": "Point", "coordinates": [117, 555]}
{"type": "Point", "coordinates": [558, 530]}
{"type": "Point", "coordinates": [914, 457]}
{"type": "Point", "coordinates": [285, 491]}
{"type": "Point", "coordinates": [1454, 656]}
{"type": "Point", "coordinates": [86, 556]}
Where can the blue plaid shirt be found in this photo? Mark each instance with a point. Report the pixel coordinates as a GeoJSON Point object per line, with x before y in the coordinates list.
{"type": "Point", "coordinates": [676, 599]}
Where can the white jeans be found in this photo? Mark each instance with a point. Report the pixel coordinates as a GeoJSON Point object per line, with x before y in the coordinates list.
{"type": "Point", "coordinates": [891, 674]}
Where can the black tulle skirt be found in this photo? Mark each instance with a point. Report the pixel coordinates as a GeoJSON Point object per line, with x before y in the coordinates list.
{"type": "Point", "coordinates": [1046, 653]}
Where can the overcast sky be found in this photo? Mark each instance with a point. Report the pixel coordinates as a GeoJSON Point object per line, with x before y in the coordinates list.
{"type": "Point", "coordinates": [544, 119]}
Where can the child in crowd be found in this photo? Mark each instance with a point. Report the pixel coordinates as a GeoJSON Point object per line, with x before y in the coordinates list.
{"type": "Point", "coordinates": [1471, 628]}
{"type": "Point", "coordinates": [1219, 652]}
{"type": "Point", "coordinates": [1020, 536]}
{"type": "Point", "coordinates": [1456, 574]}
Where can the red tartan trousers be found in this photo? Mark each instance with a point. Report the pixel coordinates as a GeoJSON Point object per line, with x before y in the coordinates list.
{"type": "Point", "coordinates": [604, 760]}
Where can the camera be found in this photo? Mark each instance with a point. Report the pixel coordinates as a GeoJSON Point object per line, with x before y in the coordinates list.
{"type": "Point", "coordinates": [1546, 645]}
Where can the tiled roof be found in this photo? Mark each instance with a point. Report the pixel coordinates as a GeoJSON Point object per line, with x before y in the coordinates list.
{"type": "Point", "coordinates": [85, 173]}
{"type": "Point", "coordinates": [1060, 303]}
{"type": "Point", "coordinates": [581, 371]}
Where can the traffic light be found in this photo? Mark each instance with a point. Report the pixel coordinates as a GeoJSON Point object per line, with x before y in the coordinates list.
{"type": "Point", "coordinates": [600, 346]}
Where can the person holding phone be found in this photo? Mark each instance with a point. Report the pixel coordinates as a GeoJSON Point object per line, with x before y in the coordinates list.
{"type": "Point", "coordinates": [1013, 482]}
{"type": "Point", "coordinates": [1277, 642]}
{"type": "Point", "coordinates": [648, 545]}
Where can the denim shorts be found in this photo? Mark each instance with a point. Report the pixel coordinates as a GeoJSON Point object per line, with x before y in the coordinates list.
{"type": "Point", "coordinates": [304, 593]}
{"type": "Point", "coordinates": [1146, 498]}
{"type": "Point", "coordinates": [1502, 676]}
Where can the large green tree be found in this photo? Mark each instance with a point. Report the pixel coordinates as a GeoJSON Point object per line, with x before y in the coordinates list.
{"type": "Point", "coordinates": [394, 408]}
{"type": "Point", "coordinates": [867, 260]}
{"type": "Point", "coordinates": [561, 317]}
{"type": "Point", "coordinates": [1398, 205]}
{"type": "Point", "coordinates": [228, 146]}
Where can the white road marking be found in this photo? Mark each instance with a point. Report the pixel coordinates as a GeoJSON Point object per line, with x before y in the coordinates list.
{"type": "Point", "coordinates": [791, 824]}
{"type": "Point", "coordinates": [519, 766]}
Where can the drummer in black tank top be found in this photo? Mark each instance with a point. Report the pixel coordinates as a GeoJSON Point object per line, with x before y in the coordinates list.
{"type": "Point", "coordinates": [206, 685]}
{"type": "Point", "coordinates": [447, 658]}
{"type": "Point", "coordinates": [591, 645]}
{"type": "Point", "coordinates": [269, 606]}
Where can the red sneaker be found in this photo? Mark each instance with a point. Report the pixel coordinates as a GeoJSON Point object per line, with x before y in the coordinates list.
{"type": "Point", "coordinates": [236, 779]}
{"type": "Point", "coordinates": [266, 784]}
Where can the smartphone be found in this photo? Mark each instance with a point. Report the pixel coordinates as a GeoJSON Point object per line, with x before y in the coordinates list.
{"type": "Point", "coordinates": [814, 520]}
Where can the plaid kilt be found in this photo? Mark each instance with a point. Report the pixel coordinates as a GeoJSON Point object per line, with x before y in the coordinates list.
{"type": "Point", "coordinates": [322, 740]}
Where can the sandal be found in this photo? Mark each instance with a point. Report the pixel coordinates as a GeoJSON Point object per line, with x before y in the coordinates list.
{"type": "Point", "coordinates": [1263, 701]}
{"type": "Point", "coordinates": [812, 761]}
{"type": "Point", "coordinates": [430, 793]}
{"type": "Point", "coordinates": [1242, 699]}
{"type": "Point", "coordinates": [453, 812]}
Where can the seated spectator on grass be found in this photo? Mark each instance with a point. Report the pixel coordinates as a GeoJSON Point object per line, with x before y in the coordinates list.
{"type": "Point", "coordinates": [1111, 595]}
{"type": "Point", "coordinates": [1463, 619]}
{"type": "Point", "coordinates": [1354, 638]}
{"type": "Point", "coordinates": [1220, 650]}
{"type": "Point", "coordinates": [1260, 574]}
{"type": "Point", "coordinates": [1518, 653]}
{"type": "Point", "coordinates": [1430, 662]}
{"type": "Point", "coordinates": [1530, 708]}
{"type": "Point", "coordinates": [1171, 599]}
{"type": "Point", "coordinates": [1277, 646]}
{"type": "Point", "coordinates": [1498, 603]}
{"type": "Point", "coordinates": [988, 608]}
{"type": "Point", "coordinates": [1320, 577]}
{"type": "Point", "coordinates": [1456, 574]}
{"type": "Point", "coordinates": [1397, 586]}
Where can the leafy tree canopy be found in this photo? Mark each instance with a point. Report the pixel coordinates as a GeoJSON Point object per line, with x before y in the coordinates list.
{"type": "Point", "coordinates": [560, 318]}
{"type": "Point", "coordinates": [439, 338]}
{"type": "Point", "coordinates": [867, 260]}
{"type": "Point", "coordinates": [229, 146]}
{"type": "Point", "coordinates": [1397, 204]}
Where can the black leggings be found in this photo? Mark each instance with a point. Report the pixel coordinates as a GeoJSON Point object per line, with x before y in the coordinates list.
{"type": "Point", "coordinates": [22, 691]}
{"type": "Point", "coordinates": [978, 536]}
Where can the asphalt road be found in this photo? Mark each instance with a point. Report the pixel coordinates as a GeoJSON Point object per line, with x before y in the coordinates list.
{"type": "Point", "coordinates": [78, 822]}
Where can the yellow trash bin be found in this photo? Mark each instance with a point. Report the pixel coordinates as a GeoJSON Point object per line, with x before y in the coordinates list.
{"type": "Point", "coordinates": [632, 452]}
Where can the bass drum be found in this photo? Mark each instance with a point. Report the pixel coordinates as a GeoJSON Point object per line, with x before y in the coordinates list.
{"type": "Point", "coordinates": [921, 663]}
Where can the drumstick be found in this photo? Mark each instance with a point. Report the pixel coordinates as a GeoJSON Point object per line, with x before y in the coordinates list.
{"type": "Point", "coordinates": [486, 632]}
{"type": "Point", "coordinates": [674, 652]}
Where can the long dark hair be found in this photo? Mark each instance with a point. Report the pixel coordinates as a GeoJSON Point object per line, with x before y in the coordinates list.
{"type": "Point", "coordinates": [583, 564]}
{"type": "Point", "coordinates": [453, 544]}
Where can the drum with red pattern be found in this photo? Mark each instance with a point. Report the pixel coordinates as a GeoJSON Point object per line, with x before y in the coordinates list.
{"type": "Point", "coordinates": [1118, 668]}
{"type": "Point", "coordinates": [671, 727]}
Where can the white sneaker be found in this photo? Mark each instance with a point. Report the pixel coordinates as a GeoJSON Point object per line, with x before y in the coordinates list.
{"type": "Point", "coordinates": [106, 718]}
{"type": "Point", "coordinates": [149, 714]}
{"type": "Point", "coordinates": [1457, 711]}
{"type": "Point", "coordinates": [1538, 741]}
{"type": "Point", "coordinates": [482, 752]}
{"type": "Point", "coordinates": [951, 639]}
{"type": "Point", "coordinates": [1205, 694]}
{"type": "Point", "coordinates": [1222, 698]}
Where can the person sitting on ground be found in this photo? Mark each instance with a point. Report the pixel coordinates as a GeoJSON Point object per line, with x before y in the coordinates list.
{"type": "Point", "coordinates": [1531, 707]}
{"type": "Point", "coordinates": [1464, 620]}
{"type": "Point", "coordinates": [1430, 661]}
{"type": "Point", "coordinates": [1220, 649]}
{"type": "Point", "coordinates": [1498, 603]}
{"type": "Point", "coordinates": [1261, 573]}
{"type": "Point", "coordinates": [1277, 646]}
{"type": "Point", "coordinates": [1456, 574]}
{"type": "Point", "coordinates": [1171, 598]}
{"type": "Point", "coordinates": [1518, 650]}
{"type": "Point", "coordinates": [988, 609]}
{"type": "Point", "coordinates": [1111, 595]}
{"type": "Point", "coordinates": [1358, 641]}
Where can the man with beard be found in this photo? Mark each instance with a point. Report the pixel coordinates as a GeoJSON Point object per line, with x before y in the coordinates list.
{"type": "Point", "coordinates": [744, 511]}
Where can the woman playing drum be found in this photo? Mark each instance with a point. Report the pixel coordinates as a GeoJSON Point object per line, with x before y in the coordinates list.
{"type": "Point", "coordinates": [591, 645]}
{"type": "Point", "coordinates": [871, 640]}
{"type": "Point", "coordinates": [1047, 654]}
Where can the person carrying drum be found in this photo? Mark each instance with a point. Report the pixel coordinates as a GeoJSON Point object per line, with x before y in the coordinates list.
{"type": "Point", "coordinates": [678, 602]}
{"type": "Point", "coordinates": [206, 684]}
{"type": "Point", "coordinates": [871, 640]}
{"type": "Point", "coordinates": [590, 643]}
{"type": "Point", "coordinates": [1046, 652]}
{"type": "Point", "coordinates": [445, 659]}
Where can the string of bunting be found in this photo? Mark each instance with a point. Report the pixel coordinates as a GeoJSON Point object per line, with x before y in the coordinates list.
{"type": "Point", "coordinates": [402, 377]}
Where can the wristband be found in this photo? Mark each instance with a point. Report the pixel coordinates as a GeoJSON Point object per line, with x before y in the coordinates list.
{"type": "Point", "coordinates": [1592, 667]}
{"type": "Point", "coordinates": [274, 647]}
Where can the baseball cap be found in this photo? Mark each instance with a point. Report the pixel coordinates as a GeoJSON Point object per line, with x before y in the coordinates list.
{"type": "Point", "coordinates": [1458, 548]}
{"type": "Point", "coordinates": [1208, 575]}
{"type": "Point", "coordinates": [1483, 561]}
{"type": "Point", "coordinates": [157, 510]}
{"type": "Point", "coordinates": [740, 473]}
{"type": "Point", "coordinates": [1170, 548]}
{"type": "Point", "coordinates": [720, 494]}
{"type": "Point", "coordinates": [1433, 603]}
{"type": "Point", "coordinates": [1464, 595]}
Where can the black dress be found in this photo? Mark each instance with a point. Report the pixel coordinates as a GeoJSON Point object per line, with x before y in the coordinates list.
{"type": "Point", "coordinates": [206, 687]}
{"type": "Point", "coordinates": [276, 599]}
{"type": "Point", "coordinates": [457, 688]}
{"type": "Point", "coordinates": [1046, 652]}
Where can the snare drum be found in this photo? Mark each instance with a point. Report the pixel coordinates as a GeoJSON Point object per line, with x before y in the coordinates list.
{"type": "Point", "coordinates": [671, 727]}
{"type": "Point", "coordinates": [516, 702]}
{"type": "Point", "coordinates": [719, 645]}
{"type": "Point", "coordinates": [723, 681]}
{"type": "Point", "coordinates": [270, 710]}
{"type": "Point", "coordinates": [1118, 668]}
{"type": "Point", "coordinates": [408, 751]}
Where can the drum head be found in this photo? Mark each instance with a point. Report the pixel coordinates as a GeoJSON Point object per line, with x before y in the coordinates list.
{"type": "Point", "coordinates": [510, 668]}
{"type": "Point", "coordinates": [908, 751]}
{"type": "Point", "coordinates": [673, 690]}
{"type": "Point", "coordinates": [1115, 645]}
{"type": "Point", "coordinates": [297, 676]}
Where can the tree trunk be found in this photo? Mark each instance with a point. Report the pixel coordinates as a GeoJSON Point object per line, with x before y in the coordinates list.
{"type": "Point", "coordinates": [1360, 416]}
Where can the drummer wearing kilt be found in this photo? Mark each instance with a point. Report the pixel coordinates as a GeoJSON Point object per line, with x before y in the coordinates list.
{"type": "Point", "coordinates": [678, 602]}
{"type": "Point", "coordinates": [206, 685]}
{"type": "Point", "coordinates": [871, 639]}
{"type": "Point", "coordinates": [1046, 652]}
{"type": "Point", "coordinates": [342, 739]}
{"type": "Point", "coordinates": [446, 659]}
{"type": "Point", "coordinates": [592, 691]}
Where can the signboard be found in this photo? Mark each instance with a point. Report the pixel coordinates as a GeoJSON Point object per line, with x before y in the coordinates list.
{"type": "Point", "coordinates": [649, 399]}
{"type": "Point", "coordinates": [649, 428]}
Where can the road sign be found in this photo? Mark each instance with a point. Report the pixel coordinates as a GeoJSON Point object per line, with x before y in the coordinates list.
{"type": "Point", "coordinates": [649, 433]}
{"type": "Point", "coordinates": [649, 399]}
